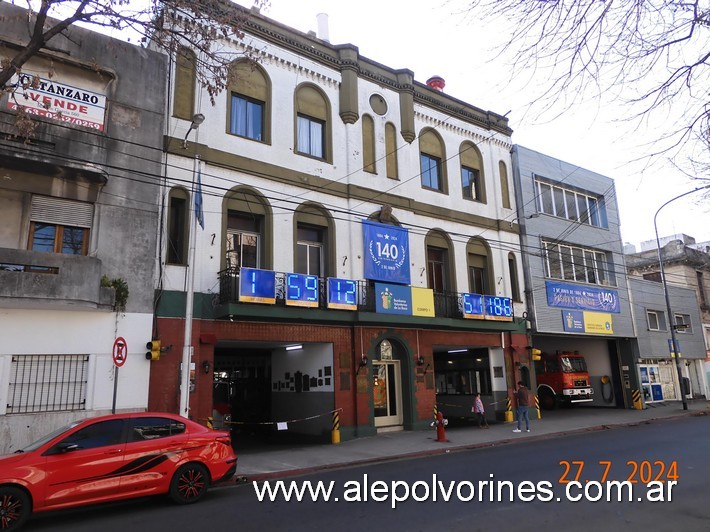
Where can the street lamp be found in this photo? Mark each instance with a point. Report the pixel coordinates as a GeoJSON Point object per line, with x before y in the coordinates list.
{"type": "Point", "coordinates": [671, 318]}
{"type": "Point", "coordinates": [187, 346]}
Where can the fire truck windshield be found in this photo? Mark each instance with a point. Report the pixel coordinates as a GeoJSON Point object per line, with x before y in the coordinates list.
{"type": "Point", "coordinates": [573, 364]}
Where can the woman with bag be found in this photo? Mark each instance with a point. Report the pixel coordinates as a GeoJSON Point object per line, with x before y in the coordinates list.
{"type": "Point", "coordinates": [480, 412]}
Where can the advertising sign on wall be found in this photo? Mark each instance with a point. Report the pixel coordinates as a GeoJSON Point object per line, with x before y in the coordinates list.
{"type": "Point", "coordinates": [587, 322]}
{"type": "Point", "coordinates": [51, 99]}
{"type": "Point", "coordinates": [386, 252]}
{"type": "Point", "coordinates": [405, 300]}
{"type": "Point", "coordinates": [582, 297]}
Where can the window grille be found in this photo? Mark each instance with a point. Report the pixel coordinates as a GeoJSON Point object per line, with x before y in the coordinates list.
{"type": "Point", "coordinates": [47, 383]}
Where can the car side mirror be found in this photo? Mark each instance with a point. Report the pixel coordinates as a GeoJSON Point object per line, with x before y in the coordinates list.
{"type": "Point", "coordinates": [67, 447]}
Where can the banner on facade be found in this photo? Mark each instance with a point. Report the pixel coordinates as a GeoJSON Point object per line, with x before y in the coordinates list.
{"type": "Point", "coordinates": [50, 99]}
{"type": "Point", "coordinates": [573, 296]}
{"type": "Point", "coordinates": [386, 252]}
{"type": "Point", "coordinates": [404, 300]}
{"type": "Point", "coordinates": [587, 322]}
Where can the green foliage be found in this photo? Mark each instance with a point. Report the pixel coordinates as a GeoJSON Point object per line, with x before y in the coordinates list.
{"type": "Point", "coordinates": [121, 288]}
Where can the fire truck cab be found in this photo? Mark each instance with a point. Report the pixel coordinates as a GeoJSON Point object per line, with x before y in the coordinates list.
{"type": "Point", "coordinates": [562, 379]}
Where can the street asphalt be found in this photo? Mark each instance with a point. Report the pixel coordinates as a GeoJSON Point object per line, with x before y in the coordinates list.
{"type": "Point", "coordinates": [269, 461]}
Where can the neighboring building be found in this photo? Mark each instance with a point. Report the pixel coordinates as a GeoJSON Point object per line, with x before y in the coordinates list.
{"type": "Point", "coordinates": [388, 197]}
{"type": "Point", "coordinates": [684, 265]}
{"type": "Point", "coordinates": [78, 202]}
{"type": "Point", "coordinates": [577, 291]}
{"type": "Point", "coordinates": [656, 365]}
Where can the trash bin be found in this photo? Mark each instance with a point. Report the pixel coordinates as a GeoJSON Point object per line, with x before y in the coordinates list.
{"type": "Point", "coordinates": [686, 386]}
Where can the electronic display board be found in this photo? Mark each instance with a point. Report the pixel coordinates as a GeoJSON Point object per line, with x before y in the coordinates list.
{"type": "Point", "coordinates": [257, 286]}
{"type": "Point", "coordinates": [342, 294]}
{"type": "Point", "coordinates": [301, 290]}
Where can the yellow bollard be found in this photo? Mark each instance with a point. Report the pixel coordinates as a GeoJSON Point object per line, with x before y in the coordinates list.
{"type": "Point", "coordinates": [210, 423]}
{"type": "Point", "coordinates": [508, 411]}
{"type": "Point", "coordinates": [537, 405]}
{"type": "Point", "coordinates": [335, 435]}
{"type": "Point", "coordinates": [636, 397]}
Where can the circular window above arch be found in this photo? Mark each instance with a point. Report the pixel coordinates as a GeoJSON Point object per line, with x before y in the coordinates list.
{"type": "Point", "coordinates": [378, 104]}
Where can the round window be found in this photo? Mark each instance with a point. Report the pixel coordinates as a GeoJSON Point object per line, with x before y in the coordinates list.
{"type": "Point", "coordinates": [378, 104]}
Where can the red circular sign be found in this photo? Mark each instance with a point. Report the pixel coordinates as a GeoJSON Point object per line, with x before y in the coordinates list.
{"type": "Point", "coordinates": [120, 352]}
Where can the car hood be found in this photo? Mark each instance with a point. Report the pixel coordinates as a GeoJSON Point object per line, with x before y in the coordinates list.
{"type": "Point", "coordinates": [7, 459]}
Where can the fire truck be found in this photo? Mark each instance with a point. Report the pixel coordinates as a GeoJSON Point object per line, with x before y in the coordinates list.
{"type": "Point", "coordinates": [562, 379]}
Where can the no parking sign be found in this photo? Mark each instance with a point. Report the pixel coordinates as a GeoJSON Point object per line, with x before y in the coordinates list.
{"type": "Point", "coordinates": [120, 352]}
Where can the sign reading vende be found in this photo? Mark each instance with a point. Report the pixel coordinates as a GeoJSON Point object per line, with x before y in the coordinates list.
{"type": "Point", "coordinates": [57, 101]}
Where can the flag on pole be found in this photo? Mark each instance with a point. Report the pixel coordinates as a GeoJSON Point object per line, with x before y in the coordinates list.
{"type": "Point", "coordinates": [199, 214]}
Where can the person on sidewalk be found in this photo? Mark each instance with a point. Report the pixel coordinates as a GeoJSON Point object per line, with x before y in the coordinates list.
{"type": "Point", "coordinates": [522, 396]}
{"type": "Point", "coordinates": [480, 412]}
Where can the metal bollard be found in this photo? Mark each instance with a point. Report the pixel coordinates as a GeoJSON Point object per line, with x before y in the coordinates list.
{"type": "Point", "coordinates": [508, 410]}
{"type": "Point", "coordinates": [537, 405]}
{"type": "Point", "coordinates": [335, 435]}
{"type": "Point", "coordinates": [636, 397]}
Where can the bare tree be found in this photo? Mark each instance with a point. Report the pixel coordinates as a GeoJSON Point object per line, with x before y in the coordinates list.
{"type": "Point", "coordinates": [651, 55]}
{"type": "Point", "coordinates": [163, 25]}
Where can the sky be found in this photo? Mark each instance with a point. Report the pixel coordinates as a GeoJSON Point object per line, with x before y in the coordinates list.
{"type": "Point", "coordinates": [438, 38]}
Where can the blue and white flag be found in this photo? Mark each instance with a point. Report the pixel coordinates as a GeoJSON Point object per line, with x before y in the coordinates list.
{"type": "Point", "coordinates": [199, 214]}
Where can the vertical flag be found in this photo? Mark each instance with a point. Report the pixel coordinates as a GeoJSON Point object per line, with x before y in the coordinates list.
{"type": "Point", "coordinates": [199, 214]}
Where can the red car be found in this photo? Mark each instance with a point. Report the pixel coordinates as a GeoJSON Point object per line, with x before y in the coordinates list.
{"type": "Point", "coordinates": [110, 458]}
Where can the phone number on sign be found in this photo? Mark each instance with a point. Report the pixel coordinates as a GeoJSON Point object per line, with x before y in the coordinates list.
{"type": "Point", "coordinates": [644, 471]}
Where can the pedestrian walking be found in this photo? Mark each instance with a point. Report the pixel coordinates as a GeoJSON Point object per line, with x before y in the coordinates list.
{"type": "Point", "coordinates": [522, 396]}
{"type": "Point", "coordinates": [480, 412]}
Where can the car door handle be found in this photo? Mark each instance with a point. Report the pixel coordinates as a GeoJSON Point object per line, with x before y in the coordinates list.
{"type": "Point", "coordinates": [114, 451]}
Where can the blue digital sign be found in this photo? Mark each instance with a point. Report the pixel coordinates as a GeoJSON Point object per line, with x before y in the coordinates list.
{"type": "Point", "coordinates": [498, 308]}
{"type": "Point", "coordinates": [480, 307]}
{"type": "Point", "coordinates": [473, 306]}
{"type": "Point", "coordinates": [301, 290]}
{"type": "Point", "coordinates": [257, 286]}
{"type": "Point", "coordinates": [342, 294]}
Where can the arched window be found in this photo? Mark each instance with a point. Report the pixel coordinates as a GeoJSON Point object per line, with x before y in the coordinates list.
{"type": "Point", "coordinates": [249, 106]}
{"type": "Point", "coordinates": [513, 272]}
{"type": "Point", "coordinates": [432, 156]}
{"type": "Point", "coordinates": [480, 271]}
{"type": "Point", "coordinates": [368, 144]}
{"type": "Point", "coordinates": [178, 229]}
{"type": "Point", "coordinates": [247, 230]}
{"type": "Point", "coordinates": [472, 180]}
{"type": "Point", "coordinates": [504, 190]}
{"type": "Point", "coordinates": [185, 78]}
{"type": "Point", "coordinates": [315, 241]}
{"type": "Point", "coordinates": [313, 125]}
{"type": "Point", "coordinates": [440, 263]}
{"type": "Point", "coordinates": [391, 150]}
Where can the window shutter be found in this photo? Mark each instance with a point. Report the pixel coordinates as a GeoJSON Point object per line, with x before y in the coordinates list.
{"type": "Point", "coordinates": [61, 211]}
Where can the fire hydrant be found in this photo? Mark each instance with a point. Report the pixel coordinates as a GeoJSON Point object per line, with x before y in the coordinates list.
{"type": "Point", "coordinates": [440, 423]}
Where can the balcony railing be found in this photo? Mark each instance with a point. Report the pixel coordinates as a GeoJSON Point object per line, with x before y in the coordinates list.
{"type": "Point", "coordinates": [446, 304]}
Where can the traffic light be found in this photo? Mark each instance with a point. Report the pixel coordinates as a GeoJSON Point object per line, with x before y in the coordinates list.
{"type": "Point", "coordinates": [153, 350]}
{"type": "Point", "coordinates": [536, 354]}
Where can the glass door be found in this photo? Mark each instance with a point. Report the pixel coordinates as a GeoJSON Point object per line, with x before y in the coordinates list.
{"type": "Point", "coordinates": [387, 393]}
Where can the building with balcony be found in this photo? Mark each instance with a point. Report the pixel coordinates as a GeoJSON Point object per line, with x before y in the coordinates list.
{"type": "Point", "coordinates": [577, 290]}
{"type": "Point", "coordinates": [78, 227]}
{"type": "Point", "coordinates": [355, 244]}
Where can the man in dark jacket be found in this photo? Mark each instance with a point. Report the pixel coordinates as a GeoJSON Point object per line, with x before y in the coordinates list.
{"type": "Point", "coordinates": [522, 396]}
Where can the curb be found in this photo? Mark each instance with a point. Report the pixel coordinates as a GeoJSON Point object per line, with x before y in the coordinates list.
{"type": "Point", "coordinates": [259, 477]}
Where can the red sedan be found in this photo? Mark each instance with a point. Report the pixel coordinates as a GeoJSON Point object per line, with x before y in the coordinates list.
{"type": "Point", "coordinates": [110, 458]}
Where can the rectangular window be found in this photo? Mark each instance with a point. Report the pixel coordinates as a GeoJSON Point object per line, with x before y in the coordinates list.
{"type": "Point", "coordinates": [311, 136]}
{"type": "Point", "coordinates": [477, 280]}
{"type": "Point", "coordinates": [59, 238]}
{"type": "Point", "coordinates": [571, 204]}
{"type": "Point", "coordinates": [431, 171]}
{"type": "Point", "coordinates": [243, 241]}
{"type": "Point", "coordinates": [656, 320]}
{"type": "Point", "coordinates": [682, 323]}
{"type": "Point", "coordinates": [247, 117]}
{"type": "Point", "coordinates": [470, 183]}
{"type": "Point", "coordinates": [176, 230]}
{"type": "Point", "coordinates": [701, 290]}
{"type": "Point", "coordinates": [47, 383]}
{"type": "Point", "coordinates": [577, 264]}
{"type": "Point", "coordinates": [309, 258]}
{"type": "Point", "coordinates": [436, 262]}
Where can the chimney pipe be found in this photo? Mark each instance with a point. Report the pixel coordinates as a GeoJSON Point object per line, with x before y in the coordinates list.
{"type": "Point", "coordinates": [323, 32]}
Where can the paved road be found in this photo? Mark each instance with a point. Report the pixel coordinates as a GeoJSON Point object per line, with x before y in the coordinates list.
{"type": "Point", "coordinates": [636, 452]}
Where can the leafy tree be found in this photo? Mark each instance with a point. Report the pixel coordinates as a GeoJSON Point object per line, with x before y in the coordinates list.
{"type": "Point", "coordinates": [652, 55]}
{"type": "Point", "coordinates": [163, 25]}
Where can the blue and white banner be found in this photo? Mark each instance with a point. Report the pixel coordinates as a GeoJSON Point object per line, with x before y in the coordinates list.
{"type": "Point", "coordinates": [386, 252]}
{"type": "Point", "coordinates": [574, 296]}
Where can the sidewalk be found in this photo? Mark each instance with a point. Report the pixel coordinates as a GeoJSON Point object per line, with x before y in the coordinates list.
{"type": "Point", "coordinates": [270, 462]}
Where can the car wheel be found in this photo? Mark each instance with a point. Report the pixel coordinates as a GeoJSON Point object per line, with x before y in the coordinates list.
{"type": "Point", "coordinates": [15, 508]}
{"type": "Point", "coordinates": [189, 483]}
{"type": "Point", "coordinates": [547, 400]}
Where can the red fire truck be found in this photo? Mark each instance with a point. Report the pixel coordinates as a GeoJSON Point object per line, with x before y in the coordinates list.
{"type": "Point", "coordinates": [562, 378]}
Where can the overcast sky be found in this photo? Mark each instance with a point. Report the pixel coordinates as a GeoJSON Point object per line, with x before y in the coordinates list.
{"type": "Point", "coordinates": [433, 38]}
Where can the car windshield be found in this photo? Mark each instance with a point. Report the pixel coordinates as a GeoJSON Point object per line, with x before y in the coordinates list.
{"type": "Point", "coordinates": [573, 365]}
{"type": "Point", "coordinates": [47, 437]}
